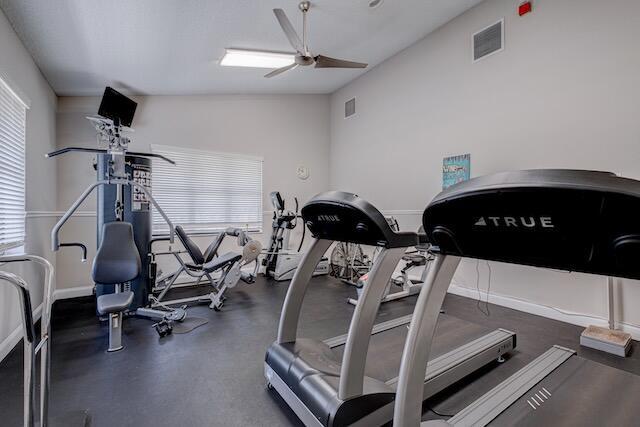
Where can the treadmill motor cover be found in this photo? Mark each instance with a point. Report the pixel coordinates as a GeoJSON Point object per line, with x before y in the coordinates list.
{"type": "Point", "coordinates": [345, 217]}
{"type": "Point", "coordinates": [572, 220]}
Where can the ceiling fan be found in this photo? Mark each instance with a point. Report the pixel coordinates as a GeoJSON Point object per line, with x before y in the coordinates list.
{"type": "Point", "coordinates": [303, 56]}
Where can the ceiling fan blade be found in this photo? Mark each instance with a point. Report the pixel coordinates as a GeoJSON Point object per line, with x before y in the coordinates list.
{"type": "Point", "coordinates": [281, 70]}
{"type": "Point", "coordinates": [289, 31]}
{"type": "Point", "coordinates": [327, 62]}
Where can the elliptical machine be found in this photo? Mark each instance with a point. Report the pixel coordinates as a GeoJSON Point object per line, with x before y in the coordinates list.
{"type": "Point", "coordinates": [279, 263]}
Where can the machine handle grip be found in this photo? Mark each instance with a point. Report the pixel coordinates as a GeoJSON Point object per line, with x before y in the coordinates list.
{"type": "Point", "coordinates": [158, 156]}
{"type": "Point", "coordinates": [75, 150]}
{"type": "Point", "coordinates": [102, 151]}
{"type": "Point", "coordinates": [79, 245]}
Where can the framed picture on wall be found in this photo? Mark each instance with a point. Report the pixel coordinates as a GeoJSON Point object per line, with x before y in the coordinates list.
{"type": "Point", "coordinates": [455, 169]}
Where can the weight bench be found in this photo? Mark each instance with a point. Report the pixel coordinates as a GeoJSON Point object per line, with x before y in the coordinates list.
{"type": "Point", "coordinates": [117, 262]}
{"type": "Point", "coordinates": [202, 266]}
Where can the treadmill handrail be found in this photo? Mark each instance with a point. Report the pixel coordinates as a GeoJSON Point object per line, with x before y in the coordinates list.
{"type": "Point", "coordinates": [417, 346]}
{"type": "Point", "coordinates": [354, 359]}
{"type": "Point", "coordinates": [290, 316]}
{"type": "Point", "coordinates": [30, 350]}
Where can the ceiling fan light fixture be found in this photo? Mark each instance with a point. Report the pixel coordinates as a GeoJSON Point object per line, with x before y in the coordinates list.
{"type": "Point", "coordinates": [256, 58]}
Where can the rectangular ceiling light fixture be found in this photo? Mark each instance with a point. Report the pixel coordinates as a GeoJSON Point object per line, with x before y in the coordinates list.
{"type": "Point", "coordinates": [256, 58]}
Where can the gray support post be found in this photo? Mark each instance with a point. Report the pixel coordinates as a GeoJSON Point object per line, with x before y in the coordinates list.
{"type": "Point", "coordinates": [361, 327]}
{"type": "Point", "coordinates": [288, 328]}
{"type": "Point", "coordinates": [115, 332]}
{"type": "Point", "coordinates": [408, 403]}
{"type": "Point", "coordinates": [611, 300]}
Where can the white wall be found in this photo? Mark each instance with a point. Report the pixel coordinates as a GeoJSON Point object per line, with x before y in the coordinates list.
{"type": "Point", "coordinates": [287, 131]}
{"type": "Point", "coordinates": [563, 94]}
{"type": "Point", "coordinates": [19, 70]}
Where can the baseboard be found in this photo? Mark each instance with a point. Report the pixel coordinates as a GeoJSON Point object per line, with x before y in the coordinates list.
{"type": "Point", "coordinates": [579, 319]}
{"type": "Point", "coordinates": [16, 335]}
{"type": "Point", "coordinates": [78, 291]}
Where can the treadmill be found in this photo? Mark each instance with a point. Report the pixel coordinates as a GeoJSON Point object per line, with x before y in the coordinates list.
{"type": "Point", "coordinates": [325, 388]}
{"type": "Point", "coordinates": [571, 220]}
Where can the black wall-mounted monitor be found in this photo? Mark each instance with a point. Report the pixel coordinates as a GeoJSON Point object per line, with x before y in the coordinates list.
{"type": "Point", "coordinates": [117, 107]}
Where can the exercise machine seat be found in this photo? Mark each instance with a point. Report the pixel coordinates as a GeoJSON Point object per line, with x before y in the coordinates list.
{"type": "Point", "coordinates": [221, 261]}
{"type": "Point", "coordinates": [216, 263]}
{"type": "Point", "coordinates": [117, 262]}
{"type": "Point", "coordinates": [415, 260]}
{"type": "Point", "coordinates": [423, 240]}
{"type": "Point", "coordinates": [118, 259]}
{"type": "Point", "coordinates": [114, 303]}
{"type": "Point", "coordinates": [192, 249]}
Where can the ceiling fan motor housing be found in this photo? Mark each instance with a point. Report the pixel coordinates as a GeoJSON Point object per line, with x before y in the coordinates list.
{"type": "Point", "coordinates": [304, 60]}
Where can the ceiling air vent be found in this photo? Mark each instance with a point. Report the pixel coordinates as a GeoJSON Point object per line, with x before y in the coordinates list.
{"type": "Point", "coordinates": [488, 41]}
{"type": "Point", "coordinates": [349, 108]}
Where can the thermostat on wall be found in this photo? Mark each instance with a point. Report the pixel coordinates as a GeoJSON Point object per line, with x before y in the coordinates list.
{"type": "Point", "coordinates": [302, 172]}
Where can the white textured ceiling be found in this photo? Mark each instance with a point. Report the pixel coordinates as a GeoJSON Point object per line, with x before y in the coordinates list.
{"type": "Point", "coordinates": [163, 47]}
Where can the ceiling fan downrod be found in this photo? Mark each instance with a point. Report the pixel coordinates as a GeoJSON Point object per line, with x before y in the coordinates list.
{"type": "Point", "coordinates": [304, 6]}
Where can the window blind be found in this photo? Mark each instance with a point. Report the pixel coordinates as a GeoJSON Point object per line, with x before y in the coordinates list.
{"type": "Point", "coordinates": [207, 191]}
{"type": "Point", "coordinates": [13, 116]}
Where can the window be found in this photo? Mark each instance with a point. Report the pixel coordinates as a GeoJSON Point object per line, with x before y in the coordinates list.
{"type": "Point", "coordinates": [207, 191]}
{"type": "Point", "coordinates": [13, 116]}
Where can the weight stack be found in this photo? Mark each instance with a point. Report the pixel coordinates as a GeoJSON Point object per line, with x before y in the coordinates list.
{"type": "Point", "coordinates": [137, 211]}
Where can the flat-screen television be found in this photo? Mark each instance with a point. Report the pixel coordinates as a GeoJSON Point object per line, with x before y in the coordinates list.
{"type": "Point", "coordinates": [117, 107]}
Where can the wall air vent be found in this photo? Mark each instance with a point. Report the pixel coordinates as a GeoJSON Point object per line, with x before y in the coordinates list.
{"type": "Point", "coordinates": [349, 108]}
{"type": "Point", "coordinates": [488, 41]}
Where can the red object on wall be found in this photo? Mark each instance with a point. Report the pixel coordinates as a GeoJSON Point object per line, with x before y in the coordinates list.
{"type": "Point", "coordinates": [524, 8]}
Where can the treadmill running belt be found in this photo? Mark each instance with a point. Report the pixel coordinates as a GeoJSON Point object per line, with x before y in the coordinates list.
{"type": "Point", "coordinates": [578, 393]}
{"type": "Point", "coordinates": [385, 348]}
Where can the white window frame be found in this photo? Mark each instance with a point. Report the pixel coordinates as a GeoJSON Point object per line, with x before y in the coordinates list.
{"type": "Point", "coordinates": [212, 206]}
{"type": "Point", "coordinates": [13, 129]}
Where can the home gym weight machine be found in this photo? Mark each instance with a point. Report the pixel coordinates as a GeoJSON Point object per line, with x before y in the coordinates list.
{"type": "Point", "coordinates": [279, 262]}
{"type": "Point", "coordinates": [123, 186]}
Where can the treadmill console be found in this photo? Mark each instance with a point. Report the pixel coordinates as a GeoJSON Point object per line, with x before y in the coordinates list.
{"type": "Point", "coordinates": [571, 220]}
{"type": "Point", "coordinates": [345, 217]}
{"type": "Point", "coordinates": [277, 201]}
